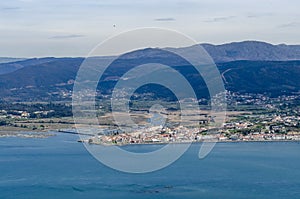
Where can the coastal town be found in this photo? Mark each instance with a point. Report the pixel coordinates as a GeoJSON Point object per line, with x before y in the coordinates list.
{"type": "Point", "coordinates": [263, 119]}
{"type": "Point", "coordinates": [158, 134]}
{"type": "Point", "coordinates": [250, 117]}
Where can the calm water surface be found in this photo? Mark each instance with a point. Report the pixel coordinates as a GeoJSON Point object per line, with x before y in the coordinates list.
{"type": "Point", "coordinates": [59, 167]}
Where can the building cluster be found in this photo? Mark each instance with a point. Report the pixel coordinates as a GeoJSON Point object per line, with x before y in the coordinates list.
{"type": "Point", "coordinates": [231, 131]}
{"type": "Point", "coordinates": [156, 134]}
{"type": "Point", "coordinates": [19, 114]}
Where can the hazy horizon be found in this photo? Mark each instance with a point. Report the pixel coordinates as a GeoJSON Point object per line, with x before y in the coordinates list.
{"type": "Point", "coordinates": [72, 56]}
{"type": "Point", "coordinates": [31, 28]}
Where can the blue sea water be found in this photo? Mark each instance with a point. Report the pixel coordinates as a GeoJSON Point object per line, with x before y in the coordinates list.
{"type": "Point", "coordinates": [59, 167]}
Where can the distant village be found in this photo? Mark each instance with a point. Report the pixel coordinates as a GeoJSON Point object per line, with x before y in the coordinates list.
{"type": "Point", "coordinates": [259, 118]}
{"type": "Point", "coordinates": [235, 131]}
{"type": "Point", "coordinates": [266, 129]}
{"type": "Point", "coordinates": [269, 119]}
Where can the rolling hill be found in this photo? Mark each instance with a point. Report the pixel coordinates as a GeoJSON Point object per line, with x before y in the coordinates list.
{"type": "Point", "coordinates": [246, 67]}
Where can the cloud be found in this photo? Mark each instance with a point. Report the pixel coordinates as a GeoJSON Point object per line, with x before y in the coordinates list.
{"type": "Point", "coordinates": [165, 19]}
{"type": "Point", "coordinates": [66, 36]}
{"type": "Point", "coordinates": [258, 15]}
{"type": "Point", "coordinates": [10, 8]}
{"type": "Point", "coordinates": [220, 19]}
{"type": "Point", "coordinates": [253, 16]}
{"type": "Point", "coordinates": [289, 25]}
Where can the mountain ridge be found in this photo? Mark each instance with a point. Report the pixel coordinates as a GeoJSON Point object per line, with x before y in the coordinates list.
{"type": "Point", "coordinates": [226, 52]}
{"type": "Point", "coordinates": [252, 50]}
{"type": "Point", "coordinates": [47, 78]}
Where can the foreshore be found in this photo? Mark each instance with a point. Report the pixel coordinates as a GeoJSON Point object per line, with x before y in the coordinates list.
{"type": "Point", "coordinates": [111, 140]}
{"type": "Point", "coordinates": [207, 141]}
{"type": "Point", "coordinates": [123, 140]}
{"type": "Point", "coordinates": [22, 134]}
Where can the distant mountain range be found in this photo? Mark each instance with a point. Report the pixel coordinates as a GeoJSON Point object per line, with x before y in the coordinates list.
{"type": "Point", "coordinates": [249, 66]}
{"type": "Point", "coordinates": [9, 59]}
{"type": "Point", "coordinates": [236, 51]}
{"type": "Point", "coordinates": [252, 50]}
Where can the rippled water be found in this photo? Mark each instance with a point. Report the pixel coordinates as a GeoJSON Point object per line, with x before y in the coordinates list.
{"type": "Point", "coordinates": [59, 167]}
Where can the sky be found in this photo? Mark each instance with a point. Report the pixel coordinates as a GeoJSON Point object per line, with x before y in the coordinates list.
{"type": "Point", "coordinates": [39, 28]}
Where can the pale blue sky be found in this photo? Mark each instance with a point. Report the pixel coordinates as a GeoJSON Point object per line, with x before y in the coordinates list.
{"type": "Point", "coordinates": [35, 28]}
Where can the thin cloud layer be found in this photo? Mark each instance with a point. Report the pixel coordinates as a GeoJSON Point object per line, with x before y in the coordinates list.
{"type": "Point", "coordinates": [165, 19]}
{"type": "Point", "coordinates": [290, 25]}
{"type": "Point", "coordinates": [219, 19]}
{"type": "Point", "coordinates": [66, 36]}
{"type": "Point", "coordinates": [10, 8]}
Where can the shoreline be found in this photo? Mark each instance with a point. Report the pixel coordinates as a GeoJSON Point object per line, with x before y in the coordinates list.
{"type": "Point", "coordinates": [26, 134]}
{"type": "Point", "coordinates": [200, 142]}
{"type": "Point", "coordinates": [48, 134]}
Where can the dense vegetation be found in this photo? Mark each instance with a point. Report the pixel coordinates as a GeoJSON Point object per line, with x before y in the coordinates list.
{"type": "Point", "coordinates": [52, 79]}
{"type": "Point", "coordinates": [38, 110]}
